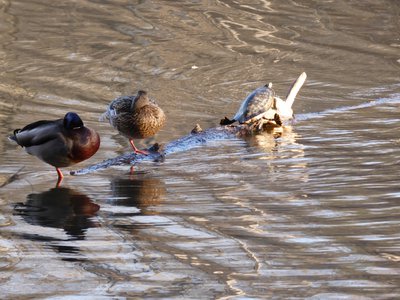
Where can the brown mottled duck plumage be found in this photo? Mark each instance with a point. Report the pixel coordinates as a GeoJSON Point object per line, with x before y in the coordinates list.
{"type": "Point", "coordinates": [135, 117]}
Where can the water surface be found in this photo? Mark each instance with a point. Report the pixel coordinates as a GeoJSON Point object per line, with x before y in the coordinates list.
{"type": "Point", "coordinates": [311, 213]}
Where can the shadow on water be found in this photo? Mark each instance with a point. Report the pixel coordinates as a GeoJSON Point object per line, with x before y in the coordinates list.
{"type": "Point", "coordinates": [61, 208]}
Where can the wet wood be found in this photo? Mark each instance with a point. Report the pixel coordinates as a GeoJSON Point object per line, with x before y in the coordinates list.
{"type": "Point", "coordinates": [196, 138]}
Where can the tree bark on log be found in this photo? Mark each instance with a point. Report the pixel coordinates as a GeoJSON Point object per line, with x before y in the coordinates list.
{"type": "Point", "coordinates": [196, 138]}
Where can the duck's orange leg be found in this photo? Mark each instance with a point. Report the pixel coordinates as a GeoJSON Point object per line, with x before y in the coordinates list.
{"type": "Point", "coordinates": [136, 150]}
{"type": "Point", "coordinates": [60, 177]}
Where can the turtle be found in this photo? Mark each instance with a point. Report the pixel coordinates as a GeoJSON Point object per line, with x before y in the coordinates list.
{"type": "Point", "coordinates": [258, 103]}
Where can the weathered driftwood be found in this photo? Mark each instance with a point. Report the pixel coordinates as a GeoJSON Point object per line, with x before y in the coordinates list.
{"type": "Point", "coordinates": [157, 153]}
{"type": "Point", "coordinates": [197, 138]}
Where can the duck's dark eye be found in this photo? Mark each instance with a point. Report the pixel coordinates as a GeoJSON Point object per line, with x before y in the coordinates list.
{"type": "Point", "coordinates": [72, 120]}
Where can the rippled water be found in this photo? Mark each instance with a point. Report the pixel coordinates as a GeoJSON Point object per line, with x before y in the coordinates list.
{"type": "Point", "coordinates": [313, 213]}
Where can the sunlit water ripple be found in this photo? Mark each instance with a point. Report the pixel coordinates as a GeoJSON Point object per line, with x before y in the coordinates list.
{"type": "Point", "coordinates": [310, 213]}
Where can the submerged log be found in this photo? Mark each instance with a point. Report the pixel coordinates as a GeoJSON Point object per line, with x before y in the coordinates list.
{"type": "Point", "coordinates": [199, 137]}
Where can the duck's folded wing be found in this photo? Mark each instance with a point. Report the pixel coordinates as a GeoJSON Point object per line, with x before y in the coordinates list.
{"type": "Point", "coordinates": [38, 133]}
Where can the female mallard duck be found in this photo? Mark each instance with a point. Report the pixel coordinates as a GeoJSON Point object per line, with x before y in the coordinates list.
{"type": "Point", "coordinates": [59, 143]}
{"type": "Point", "coordinates": [258, 102]}
{"type": "Point", "coordinates": [135, 117]}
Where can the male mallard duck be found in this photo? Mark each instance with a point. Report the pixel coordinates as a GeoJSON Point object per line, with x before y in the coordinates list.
{"type": "Point", "coordinates": [59, 143]}
{"type": "Point", "coordinates": [135, 117]}
{"type": "Point", "coordinates": [259, 101]}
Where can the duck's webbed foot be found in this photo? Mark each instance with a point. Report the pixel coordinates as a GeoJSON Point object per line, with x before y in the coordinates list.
{"type": "Point", "coordinates": [136, 150]}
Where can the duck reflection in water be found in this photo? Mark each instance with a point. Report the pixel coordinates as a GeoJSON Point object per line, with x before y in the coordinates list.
{"type": "Point", "coordinates": [138, 191]}
{"type": "Point", "coordinates": [60, 208]}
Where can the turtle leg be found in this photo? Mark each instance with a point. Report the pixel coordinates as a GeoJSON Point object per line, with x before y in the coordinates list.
{"type": "Point", "coordinates": [257, 125]}
{"type": "Point", "coordinates": [277, 120]}
{"type": "Point", "coordinates": [260, 124]}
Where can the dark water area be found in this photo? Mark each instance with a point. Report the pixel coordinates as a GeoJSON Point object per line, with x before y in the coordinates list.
{"type": "Point", "coordinates": [310, 214]}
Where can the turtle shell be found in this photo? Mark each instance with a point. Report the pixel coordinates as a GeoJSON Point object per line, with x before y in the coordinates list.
{"type": "Point", "coordinates": [258, 102]}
